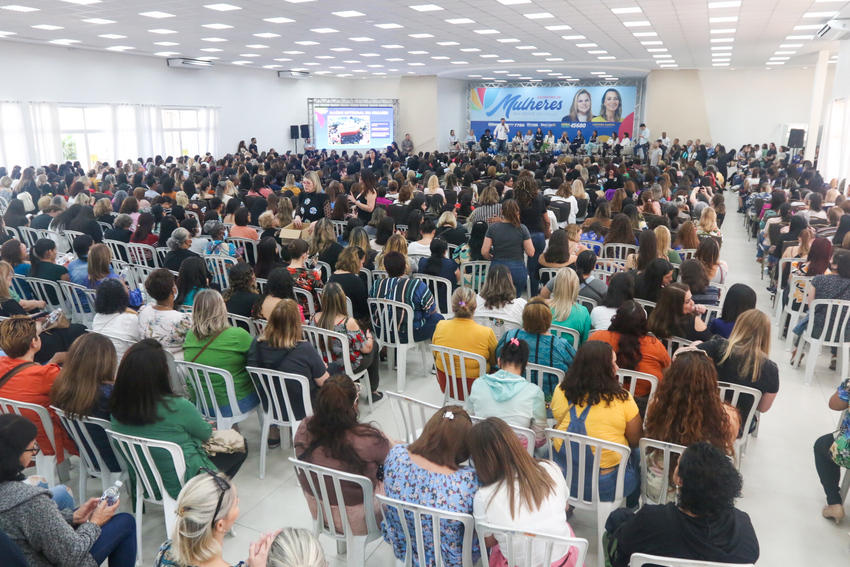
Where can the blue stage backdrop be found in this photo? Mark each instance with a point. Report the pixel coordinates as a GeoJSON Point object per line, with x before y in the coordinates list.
{"type": "Point", "coordinates": [559, 109]}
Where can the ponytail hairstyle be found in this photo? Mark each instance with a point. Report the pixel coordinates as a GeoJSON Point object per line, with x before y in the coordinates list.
{"type": "Point", "coordinates": [194, 528]}
{"type": "Point", "coordinates": [335, 413]}
{"type": "Point", "coordinates": [438, 253]}
{"type": "Point", "coordinates": [296, 547]}
{"type": "Point", "coordinates": [464, 303]}
{"type": "Point", "coordinates": [37, 252]}
{"type": "Point", "coordinates": [515, 353]}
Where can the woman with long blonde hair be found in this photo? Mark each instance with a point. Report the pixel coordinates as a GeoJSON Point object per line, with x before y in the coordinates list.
{"type": "Point", "coordinates": [566, 311]}
{"type": "Point", "coordinates": [396, 243]}
{"type": "Point", "coordinates": [744, 359]}
{"type": "Point", "coordinates": [99, 267]}
{"type": "Point", "coordinates": [662, 244]}
{"type": "Point", "coordinates": [578, 188]}
{"type": "Point", "coordinates": [433, 187]}
{"type": "Point", "coordinates": [707, 224]}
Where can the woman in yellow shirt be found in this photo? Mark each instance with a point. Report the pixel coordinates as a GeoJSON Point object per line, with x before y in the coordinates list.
{"type": "Point", "coordinates": [464, 334]}
{"type": "Point", "coordinates": [592, 399]}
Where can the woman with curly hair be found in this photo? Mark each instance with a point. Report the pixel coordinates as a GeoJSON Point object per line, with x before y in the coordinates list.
{"type": "Point", "coordinates": [535, 217]}
{"type": "Point", "coordinates": [242, 294]}
{"type": "Point", "coordinates": [685, 410]}
{"type": "Point", "coordinates": [704, 517]}
{"type": "Point", "coordinates": [621, 231]}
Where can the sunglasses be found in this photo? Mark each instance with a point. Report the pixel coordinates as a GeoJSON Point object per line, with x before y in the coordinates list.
{"type": "Point", "coordinates": [222, 484]}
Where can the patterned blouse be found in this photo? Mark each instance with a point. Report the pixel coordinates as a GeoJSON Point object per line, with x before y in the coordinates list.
{"type": "Point", "coordinates": [356, 340]}
{"type": "Point", "coordinates": [167, 327]}
{"type": "Point", "coordinates": [406, 481]}
{"type": "Point", "coordinates": [841, 448]}
{"type": "Point", "coordinates": [309, 280]}
{"type": "Point", "coordinates": [165, 559]}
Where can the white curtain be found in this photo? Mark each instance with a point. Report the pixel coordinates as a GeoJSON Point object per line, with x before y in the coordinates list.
{"type": "Point", "coordinates": [47, 141]}
{"type": "Point", "coordinates": [208, 136]}
{"type": "Point", "coordinates": [13, 140]}
{"type": "Point", "coordinates": [125, 143]}
{"type": "Point", "coordinates": [151, 139]}
{"type": "Point", "coordinates": [834, 157]}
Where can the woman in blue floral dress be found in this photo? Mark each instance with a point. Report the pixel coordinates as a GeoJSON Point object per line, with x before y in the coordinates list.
{"type": "Point", "coordinates": [428, 472]}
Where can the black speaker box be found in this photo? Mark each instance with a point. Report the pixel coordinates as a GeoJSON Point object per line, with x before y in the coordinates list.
{"type": "Point", "coordinates": [305, 130]}
{"type": "Point", "coordinates": [293, 132]}
{"type": "Point", "coordinates": [796, 137]}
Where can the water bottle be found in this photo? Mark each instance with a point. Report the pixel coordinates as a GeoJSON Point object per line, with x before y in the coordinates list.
{"type": "Point", "coordinates": [112, 493]}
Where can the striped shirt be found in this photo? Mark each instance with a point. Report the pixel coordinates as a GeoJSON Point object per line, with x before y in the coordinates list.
{"type": "Point", "coordinates": [407, 290]}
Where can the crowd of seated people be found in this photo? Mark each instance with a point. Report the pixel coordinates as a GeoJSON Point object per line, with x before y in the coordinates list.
{"type": "Point", "coordinates": [342, 229]}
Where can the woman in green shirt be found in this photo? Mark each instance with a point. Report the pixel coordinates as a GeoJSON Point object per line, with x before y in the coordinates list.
{"type": "Point", "coordinates": [143, 405]}
{"type": "Point", "coordinates": [213, 342]}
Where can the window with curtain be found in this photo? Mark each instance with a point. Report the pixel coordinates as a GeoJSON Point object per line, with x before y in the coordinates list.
{"type": "Point", "coordinates": [13, 142]}
{"type": "Point", "coordinates": [86, 133]}
{"type": "Point", "coordinates": [182, 129]}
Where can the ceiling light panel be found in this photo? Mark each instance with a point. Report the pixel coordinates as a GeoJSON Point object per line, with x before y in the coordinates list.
{"type": "Point", "coordinates": [47, 27]}
{"type": "Point", "coordinates": [348, 14]}
{"type": "Point", "coordinates": [222, 7]}
{"type": "Point", "coordinates": [278, 20]}
{"type": "Point", "coordinates": [426, 8]}
{"type": "Point", "coordinates": [99, 21]}
{"type": "Point", "coordinates": [156, 15]}
{"type": "Point", "coordinates": [19, 8]}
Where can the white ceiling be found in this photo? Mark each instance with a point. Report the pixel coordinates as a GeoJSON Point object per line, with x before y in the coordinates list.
{"type": "Point", "coordinates": [513, 46]}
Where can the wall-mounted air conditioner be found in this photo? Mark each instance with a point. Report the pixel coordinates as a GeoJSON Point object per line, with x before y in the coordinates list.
{"type": "Point", "coordinates": [835, 30]}
{"type": "Point", "coordinates": [289, 74]}
{"type": "Point", "coordinates": [183, 63]}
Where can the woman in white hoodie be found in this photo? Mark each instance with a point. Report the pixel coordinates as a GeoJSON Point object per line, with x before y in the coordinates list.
{"type": "Point", "coordinates": [506, 394]}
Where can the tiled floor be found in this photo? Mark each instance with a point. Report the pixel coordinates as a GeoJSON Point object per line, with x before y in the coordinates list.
{"type": "Point", "coordinates": [781, 489]}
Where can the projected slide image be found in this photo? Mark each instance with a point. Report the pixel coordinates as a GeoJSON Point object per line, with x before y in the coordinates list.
{"type": "Point", "coordinates": [353, 128]}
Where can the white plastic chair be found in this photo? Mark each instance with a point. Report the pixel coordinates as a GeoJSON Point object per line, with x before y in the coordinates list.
{"type": "Point", "coordinates": [674, 343]}
{"type": "Point", "coordinates": [573, 336]}
{"type": "Point", "coordinates": [473, 274]}
{"type": "Point", "coordinates": [618, 251]}
{"type": "Point", "coordinates": [45, 465]}
{"type": "Point", "coordinates": [70, 235]}
{"type": "Point", "coordinates": [645, 303]}
{"type": "Point", "coordinates": [80, 300]}
{"type": "Point", "coordinates": [219, 266]}
{"type": "Point", "coordinates": [424, 518]}
{"type": "Point", "coordinates": [731, 393]}
{"type": "Point", "coordinates": [325, 270]}
{"type": "Point", "coordinates": [687, 253]}
{"type": "Point", "coordinates": [454, 359]}
{"type": "Point", "coordinates": [521, 547]}
{"type": "Point", "coordinates": [142, 254]}
{"type": "Point", "coordinates": [411, 415]}
{"type": "Point", "coordinates": [200, 378]}
{"type": "Point", "coordinates": [323, 483]}
{"type": "Point", "coordinates": [92, 462]}
{"type": "Point", "coordinates": [49, 292]}
{"type": "Point", "coordinates": [834, 334]}
{"type": "Point", "coordinates": [119, 250]}
{"type": "Point", "coordinates": [588, 302]}
{"type": "Point", "coordinates": [367, 274]}
{"type": "Point", "coordinates": [247, 323]}
{"type": "Point", "coordinates": [249, 245]}
{"type": "Point", "coordinates": [276, 406]}
{"type": "Point", "coordinates": [339, 227]}
{"type": "Point", "coordinates": [711, 313]}
{"type": "Point", "coordinates": [583, 483]}
{"type": "Point", "coordinates": [30, 236]}
{"type": "Point", "coordinates": [121, 345]}
{"type": "Point", "coordinates": [136, 453]}
{"type": "Point", "coordinates": [643, 559]}
{"type": "Point", "coordinates": [441, 289]}
{"type": "Point", "coordinates": [667, 450]}
{"type": "Point", "coordinates": [547, 274]}
{"type": "Point", "coordinates": [300, 294]}
{"type": "Point", "coordinates": [633, 376]}
{"type": "Point", "coordinates": [521, 432]}
{"type": "Point", "coordinates": [788, 313]}
{"type": "Point", "coordinates": [392, 326]}
{"type": "Point", "coordinates": [500, 325]}
{"type": "Point", "coordinates": [323, 341]}
{"type": "Point", "coordinates": [534, 373]}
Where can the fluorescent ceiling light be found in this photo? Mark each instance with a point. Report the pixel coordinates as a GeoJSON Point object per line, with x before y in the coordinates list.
{"type": "Point", "coordinates": [348, 14]}
{"type": "Point", "coordinates": [162, 31]}
{"type": "Point", "coordinates": [474, 76]}
{"type": "Point", "coordinates": [780, 58]}
{"type": "Point", "coordinates": [360, 39]}
{"type": "Point", "coordinates": [426, 8]}
{"type": "Point", "coordinates": [508, 40]}
{"type": "Point", "coordinates": [82, 2]}
{"type": "Point", "coordinates": [217, 26]}
{"type": "Point", "coordinates": [370, 55]}
{"type": "Point", "coordinates": [819, 14]}
{"type": "Point", "coordinates": [598, 73]}
{"type": "Point", "coordinates": [47, 27]}
{"type": "Point", "coordinates": [670, 65]}
{"type": "Point", "coordinates": [505, 61]}
{"type": "Point", "coordinates": [120, 48]}
{"type": "Point", "coordinates": [266, 35]}
{"type": "Point", "coordinates": [307, 42]}
{"type": "Point", "coordinates": [657, 50]}
{"type": "Point", "coordinates": [554, 59]}
{"type": "Point", "coordinates": [511, 75]}
{"type": "Point", "coordinates": [572, 37]}
{"type": "Point", "coordinates": [775, 63]}
{"type": "Point", "coordinates": [646, 34]}
{"type": "Point", "coordinates": [441, 57]}
{"type": "Point", "coordinates": [257, 46]}
{"type": "Point", "coordinates": [99, 21]}
{"type": "Point", "coordinates": [155, 14]}
{"type": "Point", "coordinates": [444, 43]}
{"type": "Point", "coordinates": [282, 59]}
{"type": "Point", "coordinates": [586, 45]}
{"type": "Point", "coordinates": [278, 20]}
{"type": "Point", "coordinates": [18, 8]}
{"type": "Point", "coordinates": [487, 56]}
{"type": "Point", "coordinates": [167, 53]}
{"type": "Point", "coordinates": [222, 7]}
{"type": "Point", "coordinates": [720, 47]}
{"type": "Point", "coordinates": [352, 61]}
{"type": "Point", "coordinates": [663, 56]}
{"type": "Point", "coordinates": [525, 47]}
{"type": "Point", "coordinates": [241, 62]}
{"type": "Point", "coordinates": [419, 52]}
{"type": "Point", "coordinates": [720, 64]}
{"type": "Point", "coordinates": [627, 10]}
{"type": "Point", "coordinates": [722, 40]}
{"type": "Point", "coordinates": [312, 63]}
{"type": "Point", "coordinates": [460, 21]}
{"type": "Point", "coordinates": [486, 32]}
{"type": "Point", "coordinates": [638, 24]}
{"type": "Point", "coordinates": [786, 53]}
{"type": "Point", "coordinates": [394, 59]}
{"type": "Point", "coordinates": [420, 35]}
{"type": "Point", "coordinates": [563, 27]}
{"type": "Point", "coordinates": [799, 37]}
{"type": "Point", "coordinates": [389, 26]}
{"type": "Point", "coordinates": [724, 30]}
{"type": "Point", "coordinates": [597, 52]}
{"type": "Point", "coordinates": [652, 43]}
{"type": "Point", "coordinates": [606, 57]}
{"type": "Point", "coordinates": [732, 4]}
{"type": "Point", "coordinates": [393, 46]}
{"type": "Point", "coordinates": [340, 49]}
{"type": "Point", "coordinates": [808, 27]}
{"type": "Point", "coordinates": [272, 66]}
{"type": "Point", "coordinates": [294, 52]}
{"type": "Point", "coordinates": [248, 55]}
{"type": "Point", "coordinates": [324, 57]}
{"type": "Point", "coordinates": [416, 64]}
{"type": "Point", "coordinates": [213, 39]}
{"type": "Point", "coordinates": [64, 41]}
{"type": "Point", "coordinates": [211, 49]}
{"type": "Point", "coordinates": [470, 49]}
{"type": "Point", "coordinates": [118, 36]}
{"type": "Point", "coordinates": [544, 70]}
{"type": "Point", "coordinates": [723, 19]}
{"type": "Point", "coordinates": [513, 2]}
{"type": "Point", "coordinates": [539, 16]}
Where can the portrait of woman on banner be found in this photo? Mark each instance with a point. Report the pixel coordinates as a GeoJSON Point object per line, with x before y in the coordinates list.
{"type": "Point", "coordinates": [612, 107]}
{"type": "Point", "coordinates": [581, 110]}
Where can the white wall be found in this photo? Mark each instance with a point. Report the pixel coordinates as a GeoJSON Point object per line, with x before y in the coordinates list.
{"type": "Point", "coordinates": [730, 107]}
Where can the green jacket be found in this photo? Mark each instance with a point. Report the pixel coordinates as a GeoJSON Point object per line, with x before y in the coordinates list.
{"type": "Point", "coordinates": [228, 351]}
